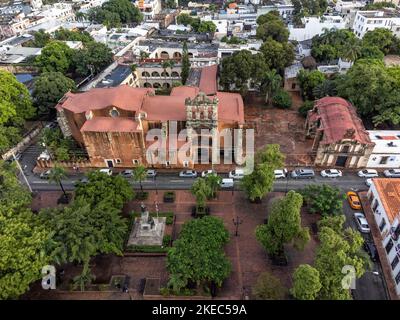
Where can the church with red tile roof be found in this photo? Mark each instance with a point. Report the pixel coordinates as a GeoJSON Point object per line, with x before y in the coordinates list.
{"type": "Point", "coordinates": [112, 123]}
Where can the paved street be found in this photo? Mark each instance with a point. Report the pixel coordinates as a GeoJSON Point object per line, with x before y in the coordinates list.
{"type": "Point", "coordinates": [370, 286]}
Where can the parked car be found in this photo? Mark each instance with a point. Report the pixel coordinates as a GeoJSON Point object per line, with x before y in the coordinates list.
{"type": "Point", "coordinates": [52, 125]}
{"type": "Point", "coordinates": [45, 174]}
{"type": "Point", "coordinates": [188, 174]}
{"type": "Point", "coordinates": [392, 173]}
{"type": "Point", "coordinates": [280, 174]}
{"type": "Point", "coordinates": [370, 248]}
{"type": "Point", "coordinates": [368, 182]}
{"type": "Point", "coordinates": [208, 172]}
{"type": "Point", "coordinates": [362, 223]}
{"type": "Point", "coordinates": [227, 183]}
{"type": "Point", "coordinates": [107, 171]}
{"type": "Point", "coordinates": [302, 174]}
{"type": "Point", "coordinates": [331, 173]}
{"type": "Point", "coordinates": [368, 173]}
{"type": "Point", "coordinates": [354, 200]}
{"type": "Point", "coordinates": [127, 173]}
{"type": "Point", "coordinates": [151, 173]}
{"type": "Point", "coordinates": [236, 174]}
{"type": "Point", "coordinates": [84, 180]}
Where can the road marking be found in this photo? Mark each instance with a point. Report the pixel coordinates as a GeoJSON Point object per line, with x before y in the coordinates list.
{"type": "Point", "coordinates": [177, 181]}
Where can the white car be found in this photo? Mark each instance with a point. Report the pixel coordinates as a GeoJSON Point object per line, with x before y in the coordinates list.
{"type": "Point", "coordinates": [368, 182]}
{"type": "Point", "coordinates": [362, 223]}
{"type": "Point", "coordinates": [107, 171]}
{"type": "Point", "coordinates": [188, 174]}
{"type": "Point", "coordinates": [207, 173]}
{"type": "Point", "coordinates": [392, 173]}
{"type": "Point", "coordinates": [236, 174]}
{"type": "Point", "coordinates": [227, 183]}
{"type": "Point", "coordinates": [331, 173]}
{"type": "Point", "coordinates": [151, 173]}
{"type": "Point", "coordinates": [368, 173]}
{"type": "Point", "coordinates": [280, 174]}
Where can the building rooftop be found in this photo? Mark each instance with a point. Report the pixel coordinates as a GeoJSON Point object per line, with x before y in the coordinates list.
{"type": "Point", "coordinates": [389, 194]}
{"type": "Point", "coordinates": [339, 121]}
{"type": "Point", "coordinates": [293, 70]}
{"type": "Point", "coordinates": [154, 44]}
{"type": "Point", "coordinates": [386, 141]}
{"type": "Point", "coordinates": [116, 77]}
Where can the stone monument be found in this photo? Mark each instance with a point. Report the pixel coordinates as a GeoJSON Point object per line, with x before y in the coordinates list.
{"type": "Point", "coordinates": [147, 230]}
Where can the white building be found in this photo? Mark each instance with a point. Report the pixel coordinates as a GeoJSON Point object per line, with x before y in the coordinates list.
{"type": "Point", "coordinates": [386, 153]}
{"type": "Point", "coordinates": [365, 21]}
{"type": "Point", "coordinates": [395, 2]}
{"type": "Point", "coordinates": [36, 4]}
{"type": "Point", "coordinates": [314, 26]}
{"type": "Point", "coordinates": [149, 8]}
{"type": "Point", "coordinates": [348, 10]}
{"type": "Point", "coordinates": [384, 197]}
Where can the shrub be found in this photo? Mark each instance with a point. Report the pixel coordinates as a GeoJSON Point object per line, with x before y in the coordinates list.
{"type": "Point", "coordinates": [142, 195]}
{"type": "Point", "coordinates": [167, 240]}
{"type": "Point", "coordinates": [307, 105]}
{"type": "Point", "coordinates": [147, 249]}
{"type": "Point", "coordinates": [169, 196]}
{"type": "Point", "coordinates": [282, 100]}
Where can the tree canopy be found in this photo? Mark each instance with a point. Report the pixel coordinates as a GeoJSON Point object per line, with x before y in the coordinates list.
{"type": "Point", "coordinates": [55, 57]}
{"type": "Point", "coordinates": [198, 255]}
{"type": "Point", "coordinates": [270, 25]}
{"type": "Point", "coordinates": [308, 81]}
{"type": "Point", "coordinates": [306, 283]}
{"type": "Point", "coordinates": [269, 287]}
{"type": "Point", "coordinates": [323, 199]}
{"type": "Point", "coordinates": [284, 225]}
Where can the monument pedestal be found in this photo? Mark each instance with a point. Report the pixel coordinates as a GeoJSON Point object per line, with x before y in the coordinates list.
{"type": "Point", "coordinates": [147, 231]}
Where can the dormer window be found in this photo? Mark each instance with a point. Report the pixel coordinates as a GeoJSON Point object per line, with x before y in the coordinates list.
{"type": "Point", "coordinates": [114, 112]}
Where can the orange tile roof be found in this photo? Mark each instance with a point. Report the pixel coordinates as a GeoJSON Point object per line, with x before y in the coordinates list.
{"type": "Point", "coordinates": [208, 80]}
{"type": "Point", "coordinates": [388, 190]}
{"type": "Point", "coordinates": [108, 124]}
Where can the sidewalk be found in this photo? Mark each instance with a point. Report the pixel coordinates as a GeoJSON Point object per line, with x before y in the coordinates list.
{"type": "Point", "coordinates": [376, 234]}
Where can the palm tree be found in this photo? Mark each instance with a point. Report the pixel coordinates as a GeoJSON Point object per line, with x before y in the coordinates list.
{"type": "Point", "coordinates": [171, 65]}
{"type": "Point", "coordinates": [213, 181]}
{"type": "Point", "coordinates": [139, 174]}
{"type": "Point", "coordinates": [57, 173]}
{"type": "Point", "coordinates": [166, 64]}
{"type": "Point", "coordinates": [351, 53]}
{"type": "Point", "coordinates": [144, 55]}
{"type": "Point", "coordinates": [272, 83]}
{"type": "Point", "coordinates": [325, 89]}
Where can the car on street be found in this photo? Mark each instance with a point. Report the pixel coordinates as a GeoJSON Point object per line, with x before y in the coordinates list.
{"type": "Point", "coordinates": [331, 173]}
{"type": "Point", "coordinates": [362, 223]}
{"type": "Point", "coordinates": [354, 200]}
{"type": "Point", "coordinates": [368, 182]}
{"type": "Point", "coordinates": [151, 173]}
{"type": "Point", "coordinates": [107, 171]}
{"type": "Point", "coordinates": [368, 173]}
{"type": "Point", "coordinates": [236, 174]}
{"type": "Point", "coordinates": [392, 173]}
{"type": "Point", "coordinates": [280, 173]}
{"type": "Point", "coordinates": [127, 173]}
{"type": "Point", "coordinates": [227, 183]}
{"type": "Point", "coordinates": [45, 174]}
{"type": "Point", "coordinates": [370, 248]}
{"type": "Point", "coordinates": [188, 174]}
{"type": "Point", "coordinates": [302, 174]}
{"type": "Point", "coordinates": [84, 180]}
{"type": "Point", "coordinates": [208, 173]}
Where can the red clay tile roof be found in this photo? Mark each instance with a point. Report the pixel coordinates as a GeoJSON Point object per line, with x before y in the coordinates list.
{"type": "Point", "coordinates": [108, 124]}
{"type": "Point", "coordinates": [164, 108]}
{"type": "Point", "coordinates": [389, 194]}
{"type": "Point", "coordinates": [208, 80]}
{"type": "Point", "coordinates": [123, 97]}
{"type": "Point", "coordinates": [186, 91]}
{"type": "Point", "coordinates": [230, 107]}
{"type": "Point", "coordinates": [337, 117]}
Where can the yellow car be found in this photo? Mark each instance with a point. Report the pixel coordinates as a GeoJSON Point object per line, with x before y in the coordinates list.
{"type": "Point", "coordinates": [354, 200]}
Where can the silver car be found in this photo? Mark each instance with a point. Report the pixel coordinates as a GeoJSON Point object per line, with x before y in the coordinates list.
{"type": "Point", "coordinates": [362, 223]}
{"type": "Point", "coordinates": [126, 173]}
{"type": "Point", "coordinates": [151, 173]}
{"type": "Point", "coordinates": [188, 174]}
{"type": "Point", "coordinates": [392, 173]}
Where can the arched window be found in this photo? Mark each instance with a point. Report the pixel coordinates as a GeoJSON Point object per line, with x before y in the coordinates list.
{"type": "Point", "coordinates": [156, 85]}
{"type": "Point", "coordinates": [155, 74]}
{"type": "Point", "coordinates": [147, 85]}
{"type": "Point", "coordinates": [174, 74]}
{"type": "Point", "coordinates": [166, 85]}
{"type": "Point", "coordinates": [114, 112]}
{"type": "Point", "coordinates": [164, 74]}
{"type": "Point", "coordinates": [164, 55]}
{"type": "Point", "coordinates": [145, 74]}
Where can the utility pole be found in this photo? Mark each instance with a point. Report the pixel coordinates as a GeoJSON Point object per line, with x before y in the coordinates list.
{"type": "Point", "coordinates": [22, 172]}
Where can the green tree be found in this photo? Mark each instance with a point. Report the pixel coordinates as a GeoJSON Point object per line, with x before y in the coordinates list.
{"type": "Point", "coordinates": [379, 5]}
{"type": "Point", "coordinates": [284, 225]}
{"type": "Point", "coordinates": [114, 189]}
{"type": "Point", "coordinates": [308, 80]}
{"type": "Point", "coordinates": [325, 89]}
{"type": "Point", "coordinates": [379, 37]}
{"type": "Point", "coordinates": [336, 250]}
{"type": "Point", "coordinates": [198, 255]}
{"type": "Point", "coordinates": [185, 63]}
{"type": "Point", "coordinates": [269, 287]}
{"type": "Point", "coordinates": [49, 88]}
{"type": "Point", "coordinates": [277, 55]}
{"type": "Point", "coordinates": [273, 29]}
{"type": "Point", "coordinates": [40, 39]}
{"type": "Point", "coordinates": [201, 190]}
{"type": "Point", "coordinates": [306, 283]}
{"type": "Point", "coordinates": [307, 105]}
{"type": "Point", "coordinates": [55, 57]}
{"type": "Point", "coordinates": [68, 35]}
{"type": "Point", "coordinates": [371, 52]}
{"type": "Point", "coordinates": [272, 83]}
{"type": "Point", "coordinates": [323, 199]}
{"type": "Point", "coordinates": [93, 58]}
{"type": "Point", "coordinates": [57, 174]}
{"type": "Point", "coordinates": [206, 26]}
{"type": "Point", "coordinates": [184, 19]}
{"type": "Point", "coordinates": [282, 100]}
{"type": "Point", "coordinates": [258, 183]}
{"type": "Point", "coordinates": [15, 102]}
{"type": "Point", "coordinates": [56, 144]}
{"type": "Point", "coordinates": [140, 174]}
{"type": "Point", "coordinates": [213, 181]}
{"type": "Point", "coordinates": [9, 136]}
